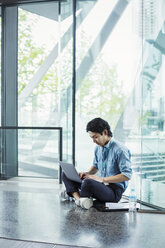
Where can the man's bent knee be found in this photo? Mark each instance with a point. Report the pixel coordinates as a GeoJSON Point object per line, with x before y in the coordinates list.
{"type": "Point", "coordinates": [87, 183]}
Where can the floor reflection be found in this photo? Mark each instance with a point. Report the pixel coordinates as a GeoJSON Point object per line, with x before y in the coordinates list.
{"type": "Point", "coordinates": [94, 228]}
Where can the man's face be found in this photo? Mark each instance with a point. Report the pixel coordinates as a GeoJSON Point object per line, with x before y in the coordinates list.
{"type": "Point", "coordinates": [99, 139]}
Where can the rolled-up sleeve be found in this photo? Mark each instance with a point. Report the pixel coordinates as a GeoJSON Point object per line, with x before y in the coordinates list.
{"type": "Point", "coordinates": [124, 163]}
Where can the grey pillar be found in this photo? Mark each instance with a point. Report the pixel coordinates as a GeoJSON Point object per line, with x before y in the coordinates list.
{"type": "Point", "coordinates": [9, 144]}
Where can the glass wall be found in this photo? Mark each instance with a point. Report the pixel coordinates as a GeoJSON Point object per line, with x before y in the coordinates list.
{"type": "Point", "coordinates": [120, 58]}
{"type": "Point", "coordinates": [38, 64]}
{"type": "Point", "coordinates": [108, 62]}
{"type": "Point", "coordinates": [153, 103]}
{"type": "Point", "coordinates": [44, 95]}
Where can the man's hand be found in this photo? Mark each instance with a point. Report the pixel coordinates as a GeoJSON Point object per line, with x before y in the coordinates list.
{"type": "Point", "coordinates": [94, 177]}
{"type": "Point", "coordinates": [91, 172]}
{"type": "Point", "coordinates": [82, 174]}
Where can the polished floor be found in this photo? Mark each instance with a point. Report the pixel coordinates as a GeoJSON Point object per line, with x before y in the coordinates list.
{"type": "Point", "coordinates": [31, 210]}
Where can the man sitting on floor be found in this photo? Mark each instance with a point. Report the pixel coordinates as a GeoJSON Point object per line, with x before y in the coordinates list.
{"type": "Point", "coordinates": [111, 160]}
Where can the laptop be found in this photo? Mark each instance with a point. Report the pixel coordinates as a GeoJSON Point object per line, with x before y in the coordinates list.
{"type": "Point", "coordinates": [70, 172]}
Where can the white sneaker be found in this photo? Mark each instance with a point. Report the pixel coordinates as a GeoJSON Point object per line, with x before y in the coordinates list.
{"type": "Point", "coordinates": [77, 202]}
{"type": "Point", "coordinates": [84, 202]}
{"type": "Point", "coordinates": [64, 195]}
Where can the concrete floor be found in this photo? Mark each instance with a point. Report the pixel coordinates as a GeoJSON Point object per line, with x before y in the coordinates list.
{"type": "Point", "coordinates": [31, 210]}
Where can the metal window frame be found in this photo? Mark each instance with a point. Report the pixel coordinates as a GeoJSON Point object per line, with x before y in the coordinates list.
{"type": "Point", "coordinates": [7, 121]}
{"type": "Point", "coordinates": [9, 100]}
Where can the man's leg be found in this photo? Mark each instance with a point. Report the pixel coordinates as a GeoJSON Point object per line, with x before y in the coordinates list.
{"type": "Point", "coordinates": [72, 188]}
{"type": "Point", "coordinates": [101, 192]}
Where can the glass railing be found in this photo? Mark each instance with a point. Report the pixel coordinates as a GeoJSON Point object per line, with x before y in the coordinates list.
{"type": "Point", "coordinates": [31, 151]}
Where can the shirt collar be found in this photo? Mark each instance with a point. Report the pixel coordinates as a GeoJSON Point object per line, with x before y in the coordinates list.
{"type": "Point", "coordinates": [108, 144]}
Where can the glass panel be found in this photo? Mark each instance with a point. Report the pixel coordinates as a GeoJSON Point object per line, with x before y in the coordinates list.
{"type": "Point", "coordinates": [153, 105]}
{"type": "Point", "coordinates": [45, 70]}
{"type": "Point", "coordinates": [108, 64]}
{"type": "Point", "coordinates": [30, 160]}
{"type": "Point", "coordinates": [38, 64]}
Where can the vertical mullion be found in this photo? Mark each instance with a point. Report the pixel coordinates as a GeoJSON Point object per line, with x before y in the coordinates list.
{"type": "Point", "coordinates": [9, 116]}
{"type": "Point", "coordinates": [60, 152]}
{"type": "Point", "coordinates": [74, 83]}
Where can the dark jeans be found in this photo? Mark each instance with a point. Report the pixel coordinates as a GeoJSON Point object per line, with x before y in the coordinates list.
{"type": "Point", "coordinates": [94, 189]}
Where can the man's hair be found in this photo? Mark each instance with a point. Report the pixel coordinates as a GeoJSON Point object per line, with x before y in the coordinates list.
{"type": "Point", "coordinates": [98, 125]}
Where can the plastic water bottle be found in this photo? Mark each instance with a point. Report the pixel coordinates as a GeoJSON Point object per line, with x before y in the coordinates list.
{"type": "Point", "coordinates": [132, 200]}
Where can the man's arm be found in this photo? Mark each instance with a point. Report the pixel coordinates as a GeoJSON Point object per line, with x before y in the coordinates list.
{"type": "Point", "coordinates": [115, 179]}
{"type": "Point", "coordinates": [112, 179]}
{"type": "Point", "coordinates": [92, 170]}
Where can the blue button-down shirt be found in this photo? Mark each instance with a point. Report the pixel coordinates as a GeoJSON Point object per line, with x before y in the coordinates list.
{"type": "Point", "coordinates": [117, 158]}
